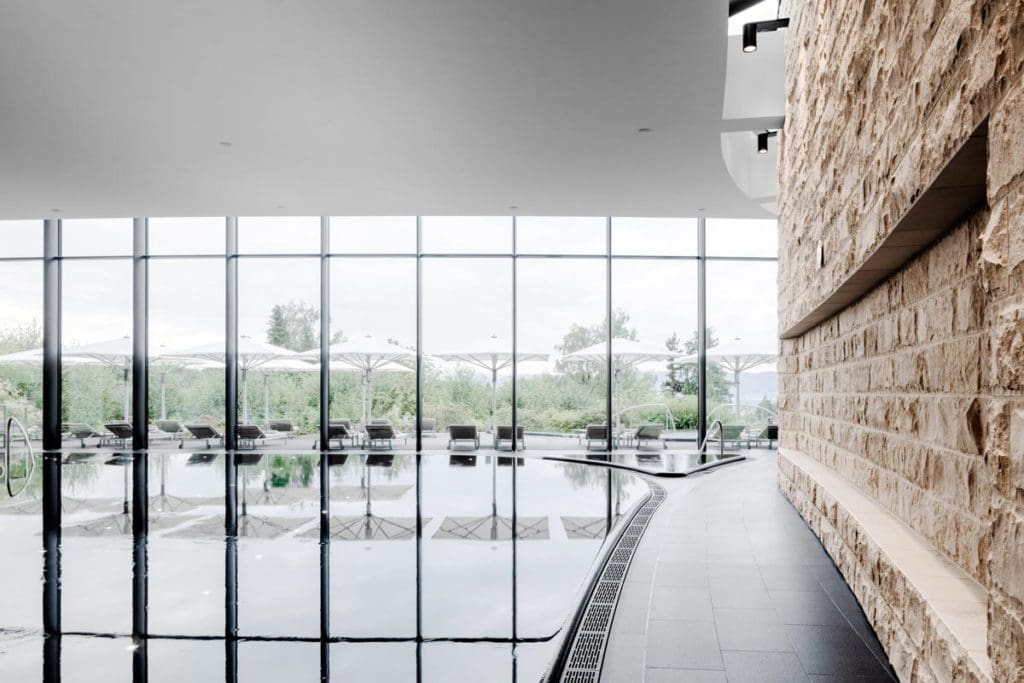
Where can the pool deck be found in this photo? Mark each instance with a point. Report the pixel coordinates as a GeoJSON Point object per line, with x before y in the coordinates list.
{"type": "Point", "coordinates": [729, 584]}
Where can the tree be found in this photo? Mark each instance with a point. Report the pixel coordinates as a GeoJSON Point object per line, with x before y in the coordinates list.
{"type": "Point", "coordinates": [21, 338]}
{"type": "Point", "coordinates": [294, 326]}
{"type": "Point", "coordinates": [682, 377]}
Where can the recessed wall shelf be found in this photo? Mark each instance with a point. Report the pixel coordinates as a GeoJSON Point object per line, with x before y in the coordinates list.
{"type": "Point", "coordinates": [955, 192]}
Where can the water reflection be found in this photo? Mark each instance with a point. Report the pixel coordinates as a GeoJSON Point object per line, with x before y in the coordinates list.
{"type": "Point", "coordinates": [429, 562]}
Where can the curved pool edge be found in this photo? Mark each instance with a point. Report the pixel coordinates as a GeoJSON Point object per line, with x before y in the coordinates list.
{"type": "Point", "coordinates": [584, 637]}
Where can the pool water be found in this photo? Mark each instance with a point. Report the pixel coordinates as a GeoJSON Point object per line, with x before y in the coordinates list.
{"type": "Point", "coordinates": [416, 574]}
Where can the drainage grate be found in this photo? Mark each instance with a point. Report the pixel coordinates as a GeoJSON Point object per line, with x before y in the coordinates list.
{"type": "Point", "coordinates": [586, 653]}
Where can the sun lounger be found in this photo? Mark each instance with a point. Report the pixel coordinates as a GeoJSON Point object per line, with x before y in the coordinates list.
{"type": "Point", "coordinates": [428, 426]}
{"type": "Point", "coordinates": [504, 436]}
{"type": "Point", "coordinates": [120, 435]}
{"type": "Point", "coordinates": [462, 461]}
{"type": "Point", "coordinates": [286, 427]}
{"type": "Point", "coordinates": [648, 432]}
{"type": "Point", "coordinates": [248, 435]}
{"type": "Point", "coordinates": [204, 432]}
{"type": "Point", "coordinates": [80, 431]}
{"type": "Point", "coordinates": [730, 434]}
{"type": "Point", "coordinates": [380, 459]}
{"type": "Point", "coordinates": [597, 434]}
{"type": "Point", "coordinates": [340, 430]}
{"type": "Point", "coordinates": [457, 433]}
{"type": "Point", "coordinates": [770, 434]}
{"type": "Point", "coordinates": [379, 435]}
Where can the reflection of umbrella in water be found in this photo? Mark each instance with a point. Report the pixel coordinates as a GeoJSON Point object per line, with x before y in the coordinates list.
{"type": "Point", "coordinates": [492, 527]}
{"type": "Point", "coordinates": [368, 526]}
{"type": "Point", "coordinates": [738, 356]}
{"type": "Point", "coordinates": [626, 354]}
{"type": "Point", "coordinates": [492, 356]}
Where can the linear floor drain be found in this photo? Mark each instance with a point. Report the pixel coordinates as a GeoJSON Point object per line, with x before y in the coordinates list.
{"type": "Point", "coordinates": [590, 639]}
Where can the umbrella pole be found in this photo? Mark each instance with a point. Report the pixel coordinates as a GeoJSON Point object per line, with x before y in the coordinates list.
{"type": "Point", "coordinates": [494, 484]}
{"type": "Point", "coordinates": [369, 487]}
{"type": "Point", "coordinates": [266, 400]}
{"type": "Point", "coordinates": [736, 383]}
{"type": "Point", "coordinates": [494, 401]}
{"type": "Point", "coordinates": [245, 395]}
{"type": "Point", "coordinates": [163, 395]}
{"type": "Point", "coordinates": [366, 377]}
{"type": "Point", "coordinates": [127, 389]}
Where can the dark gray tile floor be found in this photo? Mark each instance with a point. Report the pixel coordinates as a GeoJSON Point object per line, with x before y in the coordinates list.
{"type": "Point", "coordinates": [729, 584]}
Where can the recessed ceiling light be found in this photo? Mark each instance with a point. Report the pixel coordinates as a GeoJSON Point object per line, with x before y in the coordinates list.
{"type": "Point", "coordinates": [224, 143]}
{"type": "Point", "coordinates": [55, 210]}
{"type": "Point", "coordinates": [280, 206]}
{"type": "Point", "coordinates": [513, 207]}
{"type": "Point", "coordinates": [643, 130]}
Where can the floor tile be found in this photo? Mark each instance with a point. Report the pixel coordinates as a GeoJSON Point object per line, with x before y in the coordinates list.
{"type": "Point", "coordinates": [763, 667]}
{"type": "Point", "coordinates": [684, 676]}
{"type": "Point", "coordinates": [682, 645]}
{"type": "Point", "coordinates": [834, 650]}
{"type": "Point", "coordinates": [673, 602]}
{"type": "Point", "coordinates": [751, 629]}
{"type": "Point", "coordinates": [806, 608]}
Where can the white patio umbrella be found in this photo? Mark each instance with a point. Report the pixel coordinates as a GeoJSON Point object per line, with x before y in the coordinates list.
{"type": "Point", "coordinates": [366, 354]}
{"type": "Point", "coordinates": [251, 354]}
{"type": "Point", "coordinates": [626, 354]}
{"type": "Point", "coordinates": [739, 356]}
{"type": "Point", "coordinates": [279, 365]}
{"type": "Point", "coordinates": [492, 356]}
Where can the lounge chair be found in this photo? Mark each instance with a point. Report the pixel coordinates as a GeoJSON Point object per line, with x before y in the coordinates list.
{"type": "Point", "coordinates": [120, 435]}
{"type": "Point", "coordinates": [204, 432]}
{"type": "Point", "coordinates": [597, 434]}
{"type": "Point", "coordinates": [458, 433]}
{"type": "Point", "coordinates": [770, 434]}
{"type": "Point", "coordinates": [462, 461]}
{"type": "Point", "coordinates": [248, 435]}
{"type": "Point", "coordinates": [648, 432]}
{"type": "Point", "coordinates": [201, 459]}
{"type": "Point", "coordinates": [504, 435]}
{"type": "Point", "coordinates": [286, 427]}
{"type": "Point", "coordinates": [340, 430]}
{"type": "Point", "coordinates": [336, 459]}
{"type": "Point", "coordinates": [80, 431]}
{"type": "Point", "coordinates": [166, 429]}
{"type": "Point", "coordinates": [379, 435]}
{"type": "Point", "coordinates": [381, 421]}
{"type": "Point", "coordinates": [335, 433]}
{"type": "Point", "coordinates": [731, 434]}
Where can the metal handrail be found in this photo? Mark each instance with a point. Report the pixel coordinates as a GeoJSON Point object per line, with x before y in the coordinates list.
{"type": "Point", "coordinates": [721, 439]}
{"type": "Point", "coordinates": [7, 456]}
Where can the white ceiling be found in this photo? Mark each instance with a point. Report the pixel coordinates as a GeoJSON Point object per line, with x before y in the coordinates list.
{"type": "Point", "coordinates": [118, 108]}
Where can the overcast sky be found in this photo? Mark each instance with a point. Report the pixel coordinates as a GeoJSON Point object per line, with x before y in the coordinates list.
{"type": "Point", "coordinates": [465, 300]}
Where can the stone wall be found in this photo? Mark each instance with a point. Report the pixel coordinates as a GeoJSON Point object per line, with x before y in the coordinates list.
{"type": "Point", "coordinates": [916, 392]}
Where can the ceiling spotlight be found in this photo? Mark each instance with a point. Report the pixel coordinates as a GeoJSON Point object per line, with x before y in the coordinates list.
{"type": "Point", "coordinates": [643, 130]}
{"type": "Point", "coordinates": [224, 143]}
{"type": "Point", "coordinates": [762, 140]}
{"type": "Point", "coordinates": [751, 30]}
{"type": "Point", "coordinates": [55, 210]}
{"type": "Point", "coordinates": [512, 207]}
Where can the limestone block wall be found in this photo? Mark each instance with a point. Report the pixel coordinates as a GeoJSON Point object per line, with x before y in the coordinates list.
{"type": "Point", "coordinates": [916, 392]}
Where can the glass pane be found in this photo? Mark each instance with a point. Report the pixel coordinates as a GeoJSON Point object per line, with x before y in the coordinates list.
{"type": "Point", "coordinates": [562, 312]}
{"type": "Point", "coordinates": [557, 235]}
{"type": "Point", "coordinates": [742, 322]}
{"type": "Point", "coordinates": [467, 552]}
{"type": "Point", "coordinates": [186, 312]}
{"type": "Point", "coordinates": [742, 237]}
{"type": "Point", "coordinates": [467, 234]}
{"type": "Point", "coordinates": [21, 378]}
{"type": "Point", "coordinates": [278, 544]}
{"type": "Point", "coordinates": [279, 235]}
{"type": "Point", "coordinates": [187, 235]}
{"type": "Point", "coordinates": [373, 544]}
{"type": "Point", "coordinates": [21, 238]}
{"type": "Point", "coordinates": [97, 348]}
{"type": "Point", "coordinates": [373, 234]}
{"type": "Point", "coordinates": [467, 327]}
{"type": "Point", "coordinates": [654, 236]}
{"type": "Point", "coordinates": [186, 549]}
{"type": "Point", "coordinates": [279, 314]}
{"type": "Point", "coordinates": [652, 395]}
{"type": "Point", "coordinates": [373, 350]}
{"type": "Point", "coordinates": [96, 237]}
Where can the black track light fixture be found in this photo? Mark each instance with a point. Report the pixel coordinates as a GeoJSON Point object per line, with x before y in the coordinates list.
{"type": "Point", "coordinates": [751, 30]}
{"type": "Point", "coordinates": [762, 140]}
